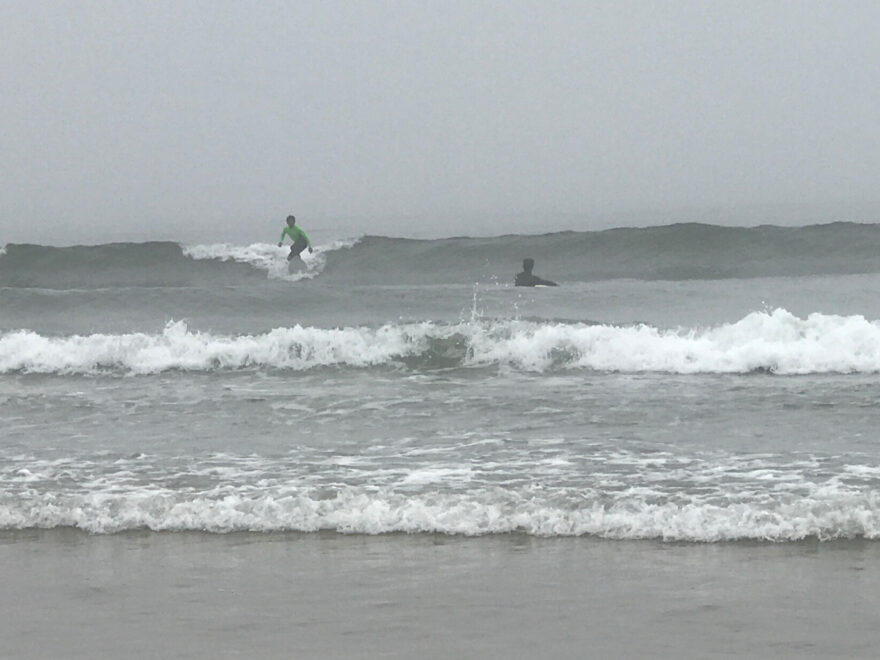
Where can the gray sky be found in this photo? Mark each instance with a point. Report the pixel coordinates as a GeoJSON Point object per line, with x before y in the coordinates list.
{"type": "Point", "coordinates": [212, 120]}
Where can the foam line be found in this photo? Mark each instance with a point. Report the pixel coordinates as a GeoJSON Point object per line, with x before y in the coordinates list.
{"type": "Point", "coordinates": [480, 512]}
{"type": "Point", "coordinates": [776, 342]}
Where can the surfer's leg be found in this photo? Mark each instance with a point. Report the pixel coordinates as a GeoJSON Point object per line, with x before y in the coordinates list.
{"type": "Point", "coordinates": [295, 249]}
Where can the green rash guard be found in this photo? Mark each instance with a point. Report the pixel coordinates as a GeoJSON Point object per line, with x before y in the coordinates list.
{"type": "Point", "coordinates": [295, 234]}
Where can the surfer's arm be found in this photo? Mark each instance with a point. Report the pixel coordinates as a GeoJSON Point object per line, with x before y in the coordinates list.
{"type": "Point", "coordinates": [308, 242]}
{"type": "Point", "coordinates": [283, 234]}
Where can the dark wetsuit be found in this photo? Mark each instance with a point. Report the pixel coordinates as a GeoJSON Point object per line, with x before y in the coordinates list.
{"type": "Point", "coordinates": [527, 279]}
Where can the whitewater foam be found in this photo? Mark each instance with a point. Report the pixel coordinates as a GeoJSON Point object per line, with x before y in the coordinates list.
{"type": "Point", "coordinates": [608, 492]}
{"type": "Point", "coordinates": [776, 342]}
{"type": "Point", "coordinates": [179, 348]}
{"type": "Point", "coordinates": [826, 513]}
{"type": "Point", "coordinates": [269, 257]}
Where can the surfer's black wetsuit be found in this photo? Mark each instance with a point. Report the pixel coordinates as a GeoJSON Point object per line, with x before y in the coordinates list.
{"type": "Point", "coordinates": [526, 278]}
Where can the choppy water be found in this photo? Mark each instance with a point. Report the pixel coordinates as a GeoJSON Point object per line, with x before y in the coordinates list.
{"type": "Point", "coordinates": [684, 383]}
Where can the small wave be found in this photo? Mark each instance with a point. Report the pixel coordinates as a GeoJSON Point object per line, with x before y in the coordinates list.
{"type": "Point", "coordinates": [672, 252]}
{"type": "Point", "coordinates": [544, 512]}
{"type": "Point", "coordinates": [607, 492]}
{"type": "Point", "coordinates": [683, 251]}
{"type": "Point", "coordinates": [775, 342]}
{"type": "Point", "coordinates": [177, 347]}
{"type": "Point", "coordinates": [156, 264]}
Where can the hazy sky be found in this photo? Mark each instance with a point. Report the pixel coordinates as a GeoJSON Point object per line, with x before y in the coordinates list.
{"type": "Point", "coordinates": [213, 120]}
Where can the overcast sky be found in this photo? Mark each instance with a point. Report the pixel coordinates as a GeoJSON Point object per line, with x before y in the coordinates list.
{"type": "Point", "coordinates": [212, 120]}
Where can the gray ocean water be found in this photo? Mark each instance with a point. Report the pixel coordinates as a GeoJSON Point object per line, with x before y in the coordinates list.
{"type": "Point", "coordinates": [684, 387]}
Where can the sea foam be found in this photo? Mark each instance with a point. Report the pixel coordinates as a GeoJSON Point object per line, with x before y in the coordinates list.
{"type": "Point", "coordinates": [611, 493]}
{"type": "Point", "coordinates": [776, 342]}
{"type": "Point", "coordinates": [358, 510]}
{"type": "Point", "coordinates": [268, 257]}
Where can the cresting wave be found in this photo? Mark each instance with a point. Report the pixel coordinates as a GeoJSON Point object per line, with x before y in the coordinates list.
{"type": "Point", "coordinates": [672, 252]}
{"type": "Point", "coordinates": [269, 258]}
{"type": "Point", "coordinates": [154, 264]}
{"type": "Point", "coordinates": [775, 342]}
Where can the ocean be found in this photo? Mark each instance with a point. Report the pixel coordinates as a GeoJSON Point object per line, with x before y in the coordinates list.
{"type": "Point", "coordinates": [395, 452]}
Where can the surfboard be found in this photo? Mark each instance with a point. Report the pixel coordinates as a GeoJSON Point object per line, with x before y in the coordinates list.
{"type": "Point", "coordinates": [296, 265]}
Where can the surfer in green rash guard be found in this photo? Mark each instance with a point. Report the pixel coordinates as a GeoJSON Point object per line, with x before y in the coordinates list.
{"type": "Point", "coordinates": [298, 236]}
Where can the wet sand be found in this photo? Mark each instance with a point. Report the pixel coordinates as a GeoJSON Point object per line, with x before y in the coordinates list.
{"type": "Point", "coordinates": [72, 595]}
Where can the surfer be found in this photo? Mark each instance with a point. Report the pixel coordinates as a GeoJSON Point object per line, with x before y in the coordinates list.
{"type": "Point", "coordinates": [298, 236]}
{"type": "Point", "coordinates": [526, 278]}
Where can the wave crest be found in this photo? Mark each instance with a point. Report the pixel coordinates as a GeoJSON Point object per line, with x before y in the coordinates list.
{"type": "Point", "coordinates": [267, 257]}
{"type": "Point", "coordinates": [776, 342]}
{"type": "Point", "coordinates": [155, 264]}
{"type": "Point", "coordinates": [671, 252]}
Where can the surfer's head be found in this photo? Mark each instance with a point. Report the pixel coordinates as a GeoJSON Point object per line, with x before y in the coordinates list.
{"type": "Point", "coordinates": [291, 220]}
{"type": "Point", "coordinates": [528, 264]}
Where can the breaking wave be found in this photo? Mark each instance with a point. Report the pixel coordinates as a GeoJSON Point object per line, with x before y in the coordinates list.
{"type": "Point", "coordinates": [157, 264]}
{"type": "Point", "coordinates": [268, 258]}
{"type": "Point", "coordinates": [672, 252]}
{"type": "Point", "coordinates": [775, 342]}
{"type": "Point", "coordinates": [358, 511]}
{"type": "Point", "coordinates": [717, 500]}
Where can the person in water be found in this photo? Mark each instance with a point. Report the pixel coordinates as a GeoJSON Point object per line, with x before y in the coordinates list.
{"type": "Point", "coordinates": [298, 236]}
{"type": "Point", "coordinates": [526, 278]}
